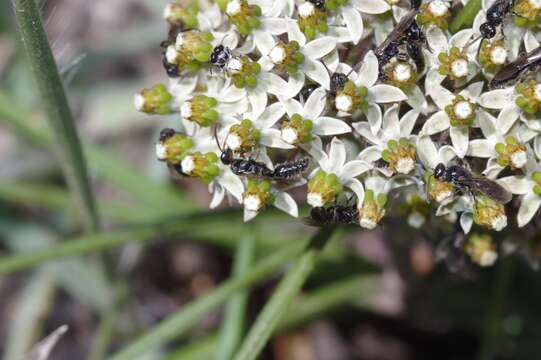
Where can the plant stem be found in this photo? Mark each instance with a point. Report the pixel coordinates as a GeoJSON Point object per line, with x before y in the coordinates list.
{"type": "Point", "coordinates": [282, 298]}
{"type": "Point", "coordinates": [50, 86]}
{"type": "Point", "coordinates": [190, 314]}
{"type": "Point", "coordinates": [465, 16]}
{"type": "Point", "coordinates": [492, 321]}
{"type": "Point", "coordinates": [235, 309]}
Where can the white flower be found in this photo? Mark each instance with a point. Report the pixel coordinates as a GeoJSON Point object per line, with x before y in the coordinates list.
{"type": "Point", "coordinates": [456, 114]}
{"type": "Point", "coordinates": [367, 76]}
{"type": "Point", "coordinates": [282, 201]}
{"type": "Point", "coordinates": [335, 162]}
{"type": "Point", "coordinates": [351, 15]}
{"type": "Point", "coordinates": [313, 110]}
{"type": "Point", "coordinates": [394, 132]}
{"type": "Point", "coordinates": [529, 186]}
{"type": "Point", "coordinates": [225, 183]}
{"type": "Point", "coordinates": [514, 143]}
{"type": "Point", "coordinates": [311, 51]}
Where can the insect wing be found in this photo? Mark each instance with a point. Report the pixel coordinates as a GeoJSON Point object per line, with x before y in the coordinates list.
{"type": "Point", "coordinates": [397, 32]}
{"type": "Point", "coordinates": [489, 188]}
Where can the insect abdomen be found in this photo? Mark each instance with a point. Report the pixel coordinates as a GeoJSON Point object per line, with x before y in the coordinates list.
{"type": "Point", "coordinates": [289, 170]}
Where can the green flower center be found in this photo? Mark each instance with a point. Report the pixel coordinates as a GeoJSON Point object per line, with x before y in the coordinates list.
{"type": "Point", "coordinates": [243, 137]}
{"type": "Point", "coordinates": [175, 13]}
{"type": "Point", "coordinates": [311, 20]}
{"type": "Point", "coordinates": [400, 155]}
{"type": "Point", "coordinates": [461, 112]}
{"type": "Point", "coordinates": [536, 177]}
{"type": "Point", "coordinates": [372, 210]}
{"type": "Point", "coordinates": [511, 153]}
{"type": "Point", "coordinates": [351, 98]}
{"type": "Point", "coordinates": [287, 57]}
{"type": "Point", "coordinates": [401, 74]}
{"type": "Point", "coordinates": [297, 130]}
{"type": "Point", "coordinates": [454, 64]}
{"type": "Point", "coordinates": [191, 50]}
{"type": "Point", "coordinates": [435, 12]}
{"type": "Point", "coordinates": [243, 71]}
{"type": "Point", "coordinates": [492, 55]}
{"type": "Point", "coordinates": [323, 188]}
{"type": "Point", "coordinates": [481, 249]}
{"type": "Point", "coordinates": [244, 16]}
{"type": "Point", "coordinates": [526, 13]}
{"type": "Point", "coordinates": [200, 109]}
{"type": "Point", "coordinates": [489, 213]}
{"type": "Point", "coordinates": [257, 195]}
{"type": "Point", "coordinates": [529, 98]}
{"type": "Point", "coordinates": [202, 166]}
{"type": "Point", "coordinates": [156, 100]}
{"type": "Point", "coordinates": [173, 147]}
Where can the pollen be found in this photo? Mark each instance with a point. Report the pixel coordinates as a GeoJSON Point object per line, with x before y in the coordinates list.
{"type": "Point", "coordinates": [519, 159]}
{"type": "Point", "coordinates": [315, 199]}
{"type": "Point", "coordinates": [405, 165]}
{"type": "Point", "coordinates": [459, 68]}
{"type": "Point", "coordinates": [323, 188]}
{"type": "Point", "coordinates": [498, 55]}
{"type": "Point", "coordinates": [537, 92]}
{"type": "Point", "coordinates": [289, 135]}
{"type": "Point", "coordinates": [277, 55]}
{"type": "Point", "coordinates": [481, 249]}
{"type": "Point", "coordinates": [234, 65]}
{"type": "Point", "coordinates": [139, 102]}
{"type": "Point", "coordinates": [161, 151]}
{"type": "Point", "coordinates": [252, 203]}
{"type": "Point", "coordinates": [400, 155]}
{"type": "Point", "coordinates": [186, 110]}
{"type": "Point", "coordinates": [233, 142]}
{"type": "Point", "coordinates": [188, 164]}
{"type": "Point", "coordinates": [438, 8]}
{"type": "Point", "coordinates": [402, 72]}
{"type": "Point", "coordinates": [343, 102]}
{"type": "Point", "coordinates": [461, 112]}
{"type": "Point", "coordinates": [489, 213]}
{"type": "Point", "coordinates": [463, 109]}
{"type": "Point", "coordinates": [233, 7]}
{"type": "Point", "coordinates": [536, 4]}
{"type": "Point", "coordinates": [306, 9]}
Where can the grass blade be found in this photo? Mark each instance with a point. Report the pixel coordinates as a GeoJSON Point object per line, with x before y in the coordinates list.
{"type": "Point", "coordinates": [189, 315]}
{"type": "Point", "coordinates": [284, 295]}
{"type": "Point", "coordinates": [69, 150]}
{"type": "Point", "coordinates": [235, 309]}
{"type": "Point", "coordinates": [465, 16]}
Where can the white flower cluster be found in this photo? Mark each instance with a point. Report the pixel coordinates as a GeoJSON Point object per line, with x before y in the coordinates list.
{"type": "Point", "coordinates": [259, 82]}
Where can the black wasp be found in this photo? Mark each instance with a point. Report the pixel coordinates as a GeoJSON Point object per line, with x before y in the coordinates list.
{"type": "Point", "coordinates": [251, 167]}
{"type": "Point", "coordinates": [465, 181]}
{"type": "Point", "coordinates": [494, 17]}
{"type": "Point", "coordinates": [320, 4]}
{"type": "Point", "coordinates": [170, 69]}
{"type": "Point", "coordinates": [220, 56]}
{"type": "Point", "coordinates": [164, 135]}
{"type": "Point", "coordinates": [512, 71]}
{"type": "Point", "coordinates": [407, 32]}
{"type": "Point", "coordinates": [333, 215]}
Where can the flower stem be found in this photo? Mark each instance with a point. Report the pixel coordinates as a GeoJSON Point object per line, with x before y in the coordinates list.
{"type": "Point", "coordinates": [54, 99]}
{"type": "Point", "coordinates": [235, 309]}
{"type": "Point", "coordinates": [465, 16]}
{"type": "Point", "coordinates": [282, 298]}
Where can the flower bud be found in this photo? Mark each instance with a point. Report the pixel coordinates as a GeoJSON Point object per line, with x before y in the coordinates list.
{"type": "Point", "coordinates": [297, 130]}
{"type": "Point", "coordinates": [257, 195]}
{"type": "Point", "coordinates": [200, 109]}
{"type": "Point", "coordinates": [481, 249]}
{"type": "Point", "coordinates": [489, 213]}
{"type": "Point", "coordinates": [155, 100]}
{"type": "Point", "coordinates": [172, 146]}
{"type": "Point", "coordinates": [400, 155]}
{"type": "Point", "coordinates": [372, 210]}
{"type": "Point", "coordinates": [323, 188]}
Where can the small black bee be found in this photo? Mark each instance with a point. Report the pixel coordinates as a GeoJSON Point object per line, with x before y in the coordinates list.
{"type": "Point", "coordinates": [333, 215]}
{"type": "Point", "coordinates": [407, 32]}
{"type": "Point", "coordinates": [166, 134]}
{"type": "Point", "coordinates": [512, 71]}
{"type": "Point", "coordinates": [320, 4]}
{"type": "Point", "coordinates": [306, 91]}
{"type": "Point", "coordinates": [251, 167]}
{"type": "Point", "coordinates": [494, 17]}
{"type": "Point", "coordinates": [170, 69]}
{"type": "Point", "coordinates": [464, 181]}
{"type": "Point", "coordinates": [338, 81]}
{"type": "Point", "coordinates": [220, 56]}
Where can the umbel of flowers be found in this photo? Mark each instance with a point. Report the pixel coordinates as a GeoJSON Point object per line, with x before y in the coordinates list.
{"type": "Point", "coordinates": [275, 98]}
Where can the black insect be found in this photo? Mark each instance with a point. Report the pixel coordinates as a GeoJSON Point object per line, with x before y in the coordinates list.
{"type": "Point", "coordinates": [494, 17]}
{"type": "Point", "coordinates": [333, 215]}
{"type": "Point", "coordinates": [220, 56]}
{"type": "Point", "coordinates": [465, 181]}
{"type": "Point", "coordinates": [306, 91]}
{"type": "Point", "coordinates": [406, 33]}
{"type": "Point", "coordinates": [320, 4]}
{"type": "Point", "coordinates": [515, 69]}
{"type": "Point", "coordinates": [170, 69]}
{"type": "Point", "coordinates": [251, 167]}
{"type": "Point", "coordinates": [166, 134]}
{"type": "Point", "coordinates": [338, 81]}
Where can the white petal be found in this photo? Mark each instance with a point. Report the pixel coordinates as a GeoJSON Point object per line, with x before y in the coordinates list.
{"type": "Point", "coordinates": [460, 137]}
{"type": "Point", "coordinates": [416, 99]}
{"type": "Point", "coordinates": [217, 196]}
{"type": "Point", "coordinates": [266, 63]}
{"type": "Point", "coordinates": [436, 123]}
{"type": "Point", "coordinates": [273, 138]}
{"type": "Point", "coordinates": [530, 42]}
{"type": "Point", "coordinates": [497, 99]}
{"type": "Point", "coordinates": [363, 128]}
{"type": "Point", "coordinates": [294, 32]}
{"type": "Point", "coordinates": [294, 85]}
{"type": "Point", "coordinates": [249, 215]}
{"type": "Point", "coordinates": [487, 123]}
{"type": "Point", "coordinates": [447, 153]}
{"type": "Point", "coordinates": [354, 168]}
{"type": "Point", "coordinates": [315, 104]}
{"type": "Point", "coordinates": [517, 184]}
{"type": "Point", "coordinates": [373, 115]}
{"type": "Point", "coordinates": [427, 152]}
{"type": "Point", "coordinates": [354, 23]}
{"type": "Point", "coordinates": [357, 188]}
{"type": "Point", "coordinates": [466, 222]}
{"type": "Point", "coordinates": [340, 33]}
{"type": "Point", "coordinates": [474, 90]}
{"type": "Point", "coordinates": [461, 38]}
{"type": "Point", "coordinates": [263, 41]}
{"type": "Point", "coordinates": [337, 155]}
{"type": "Point", "coordinates": [436, 39]}
{"type": "Point", "coordinates": [274, 26]}
{"type": "Point", "coordinates": [432, 80]}
{"type": "Point", "coordinates": [317, 72]}
{"type": "Point", "coordinates": [492, 169]}
{"type": "Point", "coordinates": [258, 100]}
{"type": "Point", "coordinates": [442, 96]}
{"type": "Point", "coordinates": [391, 125]}
{"type": "Point", "coordinates": [408, 122]}
{"type": "Point", "coordinates": [537, 146]}
{"type": "Point", "coordinates": [528, 207]}
{"type": "Point", "coordinates": [330, 126]}
{"type": "Point", "coordinates": [318, 48]}
{"type": "Point", "coordinates": [370, 154]}
{"type": "Point", "coordinates": [270, 116]}
{"type": "Point", "coordinates": [371, 6]}
{"type": "Point", "coordinates": [292, 106]}
{"type": "Point", "coordinates": [481, 148]}
{"type": "Point", "coordinates": [383, 93]}
{"type": "Point", "coordinates": [275, 84]}
{"type": "Point", "coordinates": [285, 202]}
{"type": "Point", "coordinates": [368, 74]}
{"type": "Point", "coordinates": [507, 117]}
{"type": "Point", "coordinates": [232, 184]}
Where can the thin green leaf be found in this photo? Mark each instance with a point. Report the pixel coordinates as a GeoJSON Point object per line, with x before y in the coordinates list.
{"type": "Point", "coordinates": [465, 16]}
{"type": "Point", "coordinates": [59, 114]}
{"type": "Point", "coordinates": [181, 321]}
{"type": "Point", "coordinates": [235, 309]}
{"type": "Point", "coordinates": [282, 298]}
{"type": "Point", "coordinates": [43, 349]}
{"type": "Point", "coordinates": [30, 307]}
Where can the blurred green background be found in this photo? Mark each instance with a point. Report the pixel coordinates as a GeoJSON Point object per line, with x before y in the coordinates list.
{"type": "Point", "coordinates": [374, 295]}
